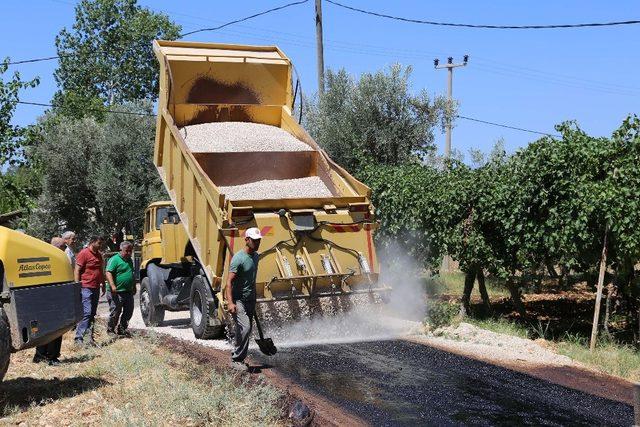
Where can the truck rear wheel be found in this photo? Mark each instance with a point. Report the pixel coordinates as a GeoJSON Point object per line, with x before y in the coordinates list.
{"type": "Point", "coordinates": [204, 321]}
{"type": "Point", "coordinates": [152, 315]}
{"type": "Point", "coordinates": [5, 345]}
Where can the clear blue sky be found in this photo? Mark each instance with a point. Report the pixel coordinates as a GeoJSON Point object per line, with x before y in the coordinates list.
{"type": "Point", "coordinates": [526, 78]}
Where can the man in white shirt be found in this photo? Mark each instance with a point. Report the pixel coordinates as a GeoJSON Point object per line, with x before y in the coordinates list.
{"type": "Point", "coordinates": [69, 238]}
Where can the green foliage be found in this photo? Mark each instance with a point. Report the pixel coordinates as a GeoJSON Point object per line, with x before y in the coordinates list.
{"type": "Point", "coordinates": [12, 195]}
{"type": "Point", "coordinates": [407, 204]}
{"type": "Point", "coordinates": [106, 56]}
{"type": "Point", "coordinates": [97, 176]}
{"type": "Point", "coordinates": [441, 313]}
{"type": "Point", "coordinates": [374, 118]}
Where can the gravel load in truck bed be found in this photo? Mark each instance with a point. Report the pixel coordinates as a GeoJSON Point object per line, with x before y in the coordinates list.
{"type": "Point", "coordinates": [278, 189]}
{"type": "Point", "coordinates": [225, 137]}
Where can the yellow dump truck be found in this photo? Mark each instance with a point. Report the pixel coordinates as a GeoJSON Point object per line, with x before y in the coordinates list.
{"type": "Point", "coordinates": [40, 300]}
{"type": "Point", "coordinates": [314, 248]}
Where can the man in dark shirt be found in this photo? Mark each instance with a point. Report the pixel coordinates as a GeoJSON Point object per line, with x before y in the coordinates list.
{"type": "Point", "coordinates": [240, 294]}
{"type": "Point", "coordinates": [89, 271]}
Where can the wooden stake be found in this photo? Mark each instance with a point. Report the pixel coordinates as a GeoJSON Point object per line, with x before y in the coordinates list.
{"type": "Point", "coordinates": [596, 311]}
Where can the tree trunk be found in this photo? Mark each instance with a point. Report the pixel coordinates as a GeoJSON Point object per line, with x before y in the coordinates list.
{"type": "Point", "coordinates": [469, 279]}
{"type": "Point", "coordinates": [607, 310]}
{"type": "Point", "coordinates": [516, 297]}
{"type": "Point", "coordinates": [551, 269]}
{"type": "Point", "coordinates": [483, 290]}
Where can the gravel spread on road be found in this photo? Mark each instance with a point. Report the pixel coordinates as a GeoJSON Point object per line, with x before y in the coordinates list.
{"type": "Point", "coordinates": [481, 343]}
{"type": "Point", "coordinates": [278, 189]}
{"type": "Point", "coordinates": [226, 137]}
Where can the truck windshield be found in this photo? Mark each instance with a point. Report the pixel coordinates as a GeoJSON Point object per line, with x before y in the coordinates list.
{"type": "Point", "coordinates": [169, 213]}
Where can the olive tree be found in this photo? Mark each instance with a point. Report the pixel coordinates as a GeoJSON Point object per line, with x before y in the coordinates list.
{"type": "Point", "coordinates": [374, 118]}
{"type": "Point", "coordinates": [97, 176]}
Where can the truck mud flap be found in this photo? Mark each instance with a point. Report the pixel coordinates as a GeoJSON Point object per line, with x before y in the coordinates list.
{"type": "Point", "coordinates": [39, 314]}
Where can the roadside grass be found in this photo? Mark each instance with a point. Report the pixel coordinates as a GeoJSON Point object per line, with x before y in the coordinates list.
{"type": "Point", "coordinates": [453, 284]}
{"type": "Point", "coordinates": [609, 357]}
{"type": "Point", "coordinates": [131, 382]}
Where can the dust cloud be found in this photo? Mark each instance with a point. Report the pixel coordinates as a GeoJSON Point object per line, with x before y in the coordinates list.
{"type": "Point", "coordinates": [388, 315]}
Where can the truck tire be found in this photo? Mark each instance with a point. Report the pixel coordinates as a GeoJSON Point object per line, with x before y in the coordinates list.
{"type": "Point", "coordinates": [5, 344]}
{"type": "Point", "coordinates": [204, 319]}
{"type": "Point", "coordinates": [152, 315]}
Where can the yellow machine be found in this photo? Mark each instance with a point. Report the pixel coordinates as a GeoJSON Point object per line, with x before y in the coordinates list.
{"type": "Point", "coordinates": [311, 247]}
{"type": "Point", "coordinates": [40, 300]}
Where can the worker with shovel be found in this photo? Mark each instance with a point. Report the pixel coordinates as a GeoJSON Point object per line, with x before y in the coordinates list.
{"type": "Point", "coordinates": [240, 295]}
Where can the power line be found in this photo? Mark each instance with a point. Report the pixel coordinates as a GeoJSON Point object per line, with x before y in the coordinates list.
{"type": "Point", "coordinates": [49, 58]}
{"type": "Point", "coordinates": [132, 113]}
{"type": "Point", "coordinates": [244, 19]}
{"type": "Point", "coordinates": [28, 61]}
{"type": "Point", "coordinates": [99, 110]}
{"type": "Point", "coordinates": [502, 125]}
{"type": "Point", "coordinates": [493, 27]}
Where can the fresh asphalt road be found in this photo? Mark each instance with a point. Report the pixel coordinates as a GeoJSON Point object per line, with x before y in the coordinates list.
{"type": "Point", "coordinates": [404, 383]}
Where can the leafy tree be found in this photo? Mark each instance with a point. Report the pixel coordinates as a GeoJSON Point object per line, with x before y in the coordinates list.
{"type": "Point", "coordinates": [97, 176]}
{"type": "Point", "coordinates": [106, 56]}
{"type": "Point", "coordinates": [374, 118]}
{"type": "Point", "coordinates": [407, 205]}
{"type": "Point", "coordinates": [12, 195]}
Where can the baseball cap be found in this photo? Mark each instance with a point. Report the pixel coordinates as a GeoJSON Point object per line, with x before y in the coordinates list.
{"type": "Point", "coordinates": [253, 233]}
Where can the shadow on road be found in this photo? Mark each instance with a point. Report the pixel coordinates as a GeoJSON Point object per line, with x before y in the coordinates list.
{"type": "Point", "coordinates": [23, 392]}
{"type": "Point", "coordinates": [178, 323]}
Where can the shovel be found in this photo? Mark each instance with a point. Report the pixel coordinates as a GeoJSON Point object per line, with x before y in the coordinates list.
{"type": "Point", "coordinates": [266, 344]}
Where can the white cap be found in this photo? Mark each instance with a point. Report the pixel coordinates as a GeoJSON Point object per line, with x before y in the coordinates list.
{"type": "Point", "coordinates": [253, 233]}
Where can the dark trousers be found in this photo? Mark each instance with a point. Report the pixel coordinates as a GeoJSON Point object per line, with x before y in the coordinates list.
{"type": "Point", "coordinates": [90, 298]}
{"type": "Point", "coordinates": [120, 310]}
{"type": "Point", "coordinates": [49, 351]}
{"type": "Point", "coordinates": [243, 319]}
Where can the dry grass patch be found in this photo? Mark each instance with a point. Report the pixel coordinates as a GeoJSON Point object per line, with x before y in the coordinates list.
{"type": "Point", "coordinates": [609, 357]}
{"type": "Point", "coordinates": [131, 382]}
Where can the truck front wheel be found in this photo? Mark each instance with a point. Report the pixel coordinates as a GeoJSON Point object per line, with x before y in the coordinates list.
{"type": "Point", "coordinates": [152, 315]}
{"type": "Point", "coordinates": [5, 345]}
{"type": "Point", "coordinates": [204, 322]}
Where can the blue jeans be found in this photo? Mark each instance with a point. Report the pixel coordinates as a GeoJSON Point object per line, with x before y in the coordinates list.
{"type": "Point", "coordinates": [90, 298]}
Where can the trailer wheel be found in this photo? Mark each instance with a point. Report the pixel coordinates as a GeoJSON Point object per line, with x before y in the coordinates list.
{"type": "Point", "coordinates": [5, 345]}
{"type": "Point", "coordinates": [152, 315]}
{"type": "Point", "coordinates": [204, 321]}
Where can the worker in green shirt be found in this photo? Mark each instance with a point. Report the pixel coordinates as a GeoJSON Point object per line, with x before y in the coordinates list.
{"type": "Point", "coordinates": [240, 295]}
{"type": "Point", "coordinates": [122, 287]}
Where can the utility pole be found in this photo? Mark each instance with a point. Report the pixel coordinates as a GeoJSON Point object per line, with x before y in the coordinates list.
{"type": "Point", "coordinates": [449, 66]}
{"type": "Point", "coordinates": [319, 47]}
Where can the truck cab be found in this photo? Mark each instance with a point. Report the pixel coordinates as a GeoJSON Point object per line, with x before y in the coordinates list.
{"type": "Point", "coordinates": [167, 264]}
{"type": "Point", "coordinates": [158, 217]}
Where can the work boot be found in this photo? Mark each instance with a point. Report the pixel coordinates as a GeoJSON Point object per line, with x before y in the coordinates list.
{"type": "Point", "coordinates": [54, 362]}
{"type": "Point", "coordinates": [239, 366]}
{"type": "Point", "coordinates": [38, 359]}
{"type": "Point", "coordinates": [124, 333]}
{"type": "Point", "coordinates": [111, 332]}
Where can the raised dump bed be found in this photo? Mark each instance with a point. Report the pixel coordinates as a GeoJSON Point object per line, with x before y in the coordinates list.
{"type": "Point", "coordinates": [232, 157]}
